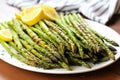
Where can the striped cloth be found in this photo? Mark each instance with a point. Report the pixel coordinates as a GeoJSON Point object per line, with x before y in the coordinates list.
{"type": "Point", "coordinates": [97, 10]}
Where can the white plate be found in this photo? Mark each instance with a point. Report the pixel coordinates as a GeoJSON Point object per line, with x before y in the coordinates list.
{"type": "Point", "coordinates": [102, 29]}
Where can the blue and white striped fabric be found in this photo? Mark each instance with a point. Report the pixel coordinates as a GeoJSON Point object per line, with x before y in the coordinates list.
{"type": "Point", "coordinates": [97, 10]}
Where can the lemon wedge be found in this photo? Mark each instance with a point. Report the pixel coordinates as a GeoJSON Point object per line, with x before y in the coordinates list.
{"type": "Point", "coordinates": [49, 12]}
{"type": "Point", "coordinates": [28, 9]}
{"type": "Point", "coordinates": [24, 11]}
{"type": "Point", "coordinates": [19, 15]}
{"type": "Point", "coordinates": [5, 35]}
{"type": "Point", "coordinates": [32, 16]}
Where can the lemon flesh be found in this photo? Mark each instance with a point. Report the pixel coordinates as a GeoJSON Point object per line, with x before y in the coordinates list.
{"type": "Point", "coordinates": [24, 11]}
{"type": "Point", "coordinates": [5, 35]}
{"type": "Point", "coordinates": [49, 12]}
{"type": "Point", "coordinates": [32, 17]}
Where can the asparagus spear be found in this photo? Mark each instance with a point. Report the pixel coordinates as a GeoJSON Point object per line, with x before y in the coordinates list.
{"type": "Point", "coordinates": [18, 46]}
{"type": "Point", "coordinates": [43, 36]}
{"type": "Point", "coordinates": [40, 63]}
{"type": "Point", "coordinates": [56, 28]}
{"type": "Point", "coordinates": [40, 41]}
{"type": "Point", "coordinates": [5, 25]}
{"type": "Point", "coordinates": [99, 35]}
{"type": "Point", "coordinates": [64, 65]}
{"type": "Point", "coordinates": [108, 51]}
{"type": "Point", "coordinates": [63, 53]}
{"type": "Point", "coordinates": [31, 49]}
{"type": "Point", "coordinates": [79, 61]}
{"type": "Point", "coordinates": [16, 55]}
{"type": "Point", "coordinates": [28, 60]}
{"type": "Point", "coordinates": [45, 52]}
{"type": "Point", "coordinates": [85, 36]}
{"type": "Point", "coordinates": [24, 36]}
{"type": "Point", "coordinates": [47, 31]}
{"type": "Point", "coordinates": [72, 37]}
{"type": "Point", "coordinates": [40, 33]}
{"type": "Point", "coordinates": [104, 38]}
{"type": "Point", "coordinates": [25, 53]}
{"type": "Point", "coordinates": [83, 41]}
{"type": "Point", "coordinates": [43, 62]}
{"type": "Point", "coordinates": [53, 37]}
{"type": "Point", "coordinates": [1, 27]}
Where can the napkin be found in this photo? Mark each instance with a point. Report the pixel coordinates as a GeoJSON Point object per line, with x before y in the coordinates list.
{"type": "Point", "coordinates": [97, 10]}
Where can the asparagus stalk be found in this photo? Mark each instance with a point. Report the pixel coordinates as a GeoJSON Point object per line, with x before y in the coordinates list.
{"type": "Point", "coordinates": [18, 46]}
{"type": "Point", "coordinates": [28, 60]}
{"type": "Point", "coordinates": [99, 35]}
{"type": "Point", "coordinates": [5, 25]}
{"type": "Point", "coordinates": [71, 36]}
{"type": "Point", "coordinates": [47, 31]}
{"type": "Point", "coordinates": [25, 53]}
{"type": "Point", "coordinates": [16, 55]}
{"type": "Point", "coordinates": [76, 61]}
{"type": "Point", "coordinates": [61, 45]}
{"type": "Point", "coordinates": [63, 53]}
{"type": "Point", "coordinates": [42, 50]}
{"type": "Point", "coordinates": [40, 60]}
{"type": "Point", "coordinates": [40, 41]}
{"type": "Point", "coordinates": [83, 41]}
{"type": "Point", "coordinates": [31, 49]}
{"type": "Point", "coordinates": [85, 36]}
{"type": "Point", "coordinates": [104, 38]}
{"type": "Point", "coordinates": [43, 36]}
{"type": "Point", "coordinates": [2, 27]}
{"type": "Point", "coordinates": [56, 28]}
{"type": "Point", "coordinates": [97, 46]}
{"type": "Point", "coordinates": [40, 63]}
{"type": "Point", "coordinates": [109, 52]}
{"type": "Point", "coordinates": [24, 36]}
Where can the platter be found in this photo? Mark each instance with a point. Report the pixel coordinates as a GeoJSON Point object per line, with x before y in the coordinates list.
{"type": "Point", "coordinates": [100, 28]}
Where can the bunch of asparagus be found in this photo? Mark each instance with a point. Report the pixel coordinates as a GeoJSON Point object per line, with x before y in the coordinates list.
{"type": "Point", "coordinates": [58, 44]}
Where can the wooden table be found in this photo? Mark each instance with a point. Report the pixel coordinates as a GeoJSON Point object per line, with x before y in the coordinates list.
{"type": "Point", "coordinates": [9, 72]}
